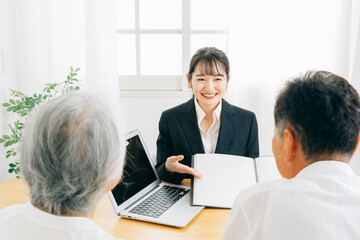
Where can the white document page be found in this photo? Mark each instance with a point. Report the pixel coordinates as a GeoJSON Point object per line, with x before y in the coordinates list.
{"type": "Point", "coordinates": [223, 177]}
{"type": "Point", "coordinates": [266, 169]}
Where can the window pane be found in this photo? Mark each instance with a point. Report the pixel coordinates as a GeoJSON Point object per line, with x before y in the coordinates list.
{"type": "Point", "coordinates": [160, 14]}
{"type": "Point", "coordinates": [209, 14]}
{"type": "Point", "coordinates": [208, 40]}
{"type": "Point", "coordinates": [125, 14]}
{"type": "Point", "coordinates": [126, 54]}
{"type": "Point", "coordinates": [160, 54]}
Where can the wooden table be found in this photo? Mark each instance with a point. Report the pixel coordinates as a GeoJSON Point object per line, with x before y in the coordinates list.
{"type": "Point", "coordinates": [209, 224]}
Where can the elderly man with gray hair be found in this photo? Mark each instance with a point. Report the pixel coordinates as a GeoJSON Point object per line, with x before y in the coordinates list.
{"type": "Point", "coordinates": [317, 124]}
{"type": "Point", "coordinates": [70, 157]}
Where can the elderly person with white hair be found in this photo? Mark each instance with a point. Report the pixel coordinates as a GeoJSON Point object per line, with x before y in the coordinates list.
{"type": "Point", "coordinates": [70, 157]}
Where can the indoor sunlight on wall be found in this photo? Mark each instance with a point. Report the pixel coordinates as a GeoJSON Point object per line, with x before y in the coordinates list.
{"type": "Point", "coordinates": [271, 41]}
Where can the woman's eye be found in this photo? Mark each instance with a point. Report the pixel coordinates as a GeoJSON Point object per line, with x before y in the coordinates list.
{"type": "Point", "coordinates": [218, 79]}
{"type": "Point", "coordinates": [201, 79]}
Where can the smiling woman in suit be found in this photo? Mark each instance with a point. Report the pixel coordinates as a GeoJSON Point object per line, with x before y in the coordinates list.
{"type": "Point", "coordinates": [206, 123]}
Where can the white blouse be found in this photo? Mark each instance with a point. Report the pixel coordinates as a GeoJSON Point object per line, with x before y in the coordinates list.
{"type": "Point", "coordinates": [209, 138]}
{"type": "Point", "coordinates": [24, 221]}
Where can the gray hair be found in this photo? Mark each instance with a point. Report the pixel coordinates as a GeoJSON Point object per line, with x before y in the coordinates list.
{"type": "Point", "coordinates": [70, 151]}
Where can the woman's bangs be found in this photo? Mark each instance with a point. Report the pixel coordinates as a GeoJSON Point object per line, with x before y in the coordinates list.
{"type": "Point", "coordinates": [209, 66]}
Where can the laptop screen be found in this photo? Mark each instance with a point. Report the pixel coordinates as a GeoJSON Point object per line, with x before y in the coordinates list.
{"type": "Point", "coordinates": [137, 173]}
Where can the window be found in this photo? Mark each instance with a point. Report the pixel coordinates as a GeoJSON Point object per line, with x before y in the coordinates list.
{"type": "Point", "coordinates": [156, 39]}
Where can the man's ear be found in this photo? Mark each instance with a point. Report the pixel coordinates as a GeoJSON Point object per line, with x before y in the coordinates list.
{"type": "Point", "coordinates": [289, 146]}
{"type": "Point", "coordinates": [357, 144]}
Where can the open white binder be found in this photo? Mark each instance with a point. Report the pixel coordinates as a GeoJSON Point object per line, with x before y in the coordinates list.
{"type": "Point", "coordinates": [224, 176]}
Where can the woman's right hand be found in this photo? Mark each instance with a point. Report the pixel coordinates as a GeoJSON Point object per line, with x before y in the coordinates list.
{"type": "Point", "coordinates": [172, 165]}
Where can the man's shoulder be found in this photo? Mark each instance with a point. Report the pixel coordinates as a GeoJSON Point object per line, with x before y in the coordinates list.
{"type": "Point", "coordinates": [265, 189]}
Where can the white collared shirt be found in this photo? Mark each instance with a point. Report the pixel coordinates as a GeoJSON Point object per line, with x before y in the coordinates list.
{"type": "Point", "coordinates": [24, 221]}
{"type": "Point", "coordinates": [321, 202]}
{"type": "Point", "coordinates": [209, 138]}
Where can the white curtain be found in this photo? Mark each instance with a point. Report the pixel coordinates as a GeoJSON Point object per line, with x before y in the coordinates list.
{"type": "Point", "coordinates": [354, 66]}
{"type": "Point", "coordinates": [52, 35]}
{"type": "Point", "coordinates": [272, 41]}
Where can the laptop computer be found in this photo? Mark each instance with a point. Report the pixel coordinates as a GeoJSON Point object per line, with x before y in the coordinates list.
{"type": "Point", "coordinates": [140, 194]}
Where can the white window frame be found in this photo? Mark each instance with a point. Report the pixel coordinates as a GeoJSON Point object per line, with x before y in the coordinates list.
{"type": "Point", "coordinates": [150, 86]}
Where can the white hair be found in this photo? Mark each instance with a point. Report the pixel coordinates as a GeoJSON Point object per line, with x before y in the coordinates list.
{"type": "Point", "coordinates": [70, 151]}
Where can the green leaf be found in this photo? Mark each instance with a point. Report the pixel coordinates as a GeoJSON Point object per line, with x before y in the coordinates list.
{"type": "Point", "coordinates": [23, 114]}
{"type": "Point", "coordinates": [8, 155]}
{"type": "Point", "coordinates": [77, 88]}
{"type": "Point", "coordinates": [6, 136]}
{"type": "Point", "coordinates": [6, 104]}
{"type": "Point", "coordinates": [11, 170]}
{"type": "Point", "coordinates": [12, 165]}
{"type": "Point", "coordinates": [18, 177]}
{"type": "Point", "coordinates": [68, 77]}
{"type": "Point", "coordinates": [18, 102]}
{"type": "Point", "coordinates": [14, 154]}
{"type": "Point", "coordinates": [75, 74]}
{"type": "Point", "coordinates": [9, 109]}
{"type": "Point", "coordinates": [76, 70]}
{"type": "Point", "coordinates": [71, 69]}
{"type": "Point", "coordinates": [12, 101]}
{"type": "Point", "coordinates": [2, 140]}
{"type": "Point", "coordinates": [17, 170]}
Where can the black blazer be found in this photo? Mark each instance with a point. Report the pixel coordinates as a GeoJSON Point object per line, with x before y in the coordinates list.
{"type": "Point", "coordinates": [179, 134]}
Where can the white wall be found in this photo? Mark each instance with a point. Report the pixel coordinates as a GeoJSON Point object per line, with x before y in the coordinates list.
{"type": "Point", "coordinates": [9, 75]}
{"type": "Point", "coordinates": [144, 114]}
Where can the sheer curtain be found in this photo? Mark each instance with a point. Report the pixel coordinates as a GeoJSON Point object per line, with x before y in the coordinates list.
{"type": "Point", "coordinates": [354, 66]}
{"type": "Point", "coordinates": [51, 35]}
{"type": "Point", "coordinates": [54, 35]}
{"type": "Point", "coordinates": [272, 41]}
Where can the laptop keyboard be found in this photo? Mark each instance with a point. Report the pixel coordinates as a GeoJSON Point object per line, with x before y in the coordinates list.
{"type": "Point", "coordinates": [158, 202]}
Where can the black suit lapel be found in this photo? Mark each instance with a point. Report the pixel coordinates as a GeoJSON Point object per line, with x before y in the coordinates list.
{"type": "Point", "coordinates": [227, 128]}
{"type": "Point", "coordinates": [190, 127]}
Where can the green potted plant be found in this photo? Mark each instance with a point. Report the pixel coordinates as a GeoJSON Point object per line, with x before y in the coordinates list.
{"type": "Point", "coordinates": [23, 105]}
